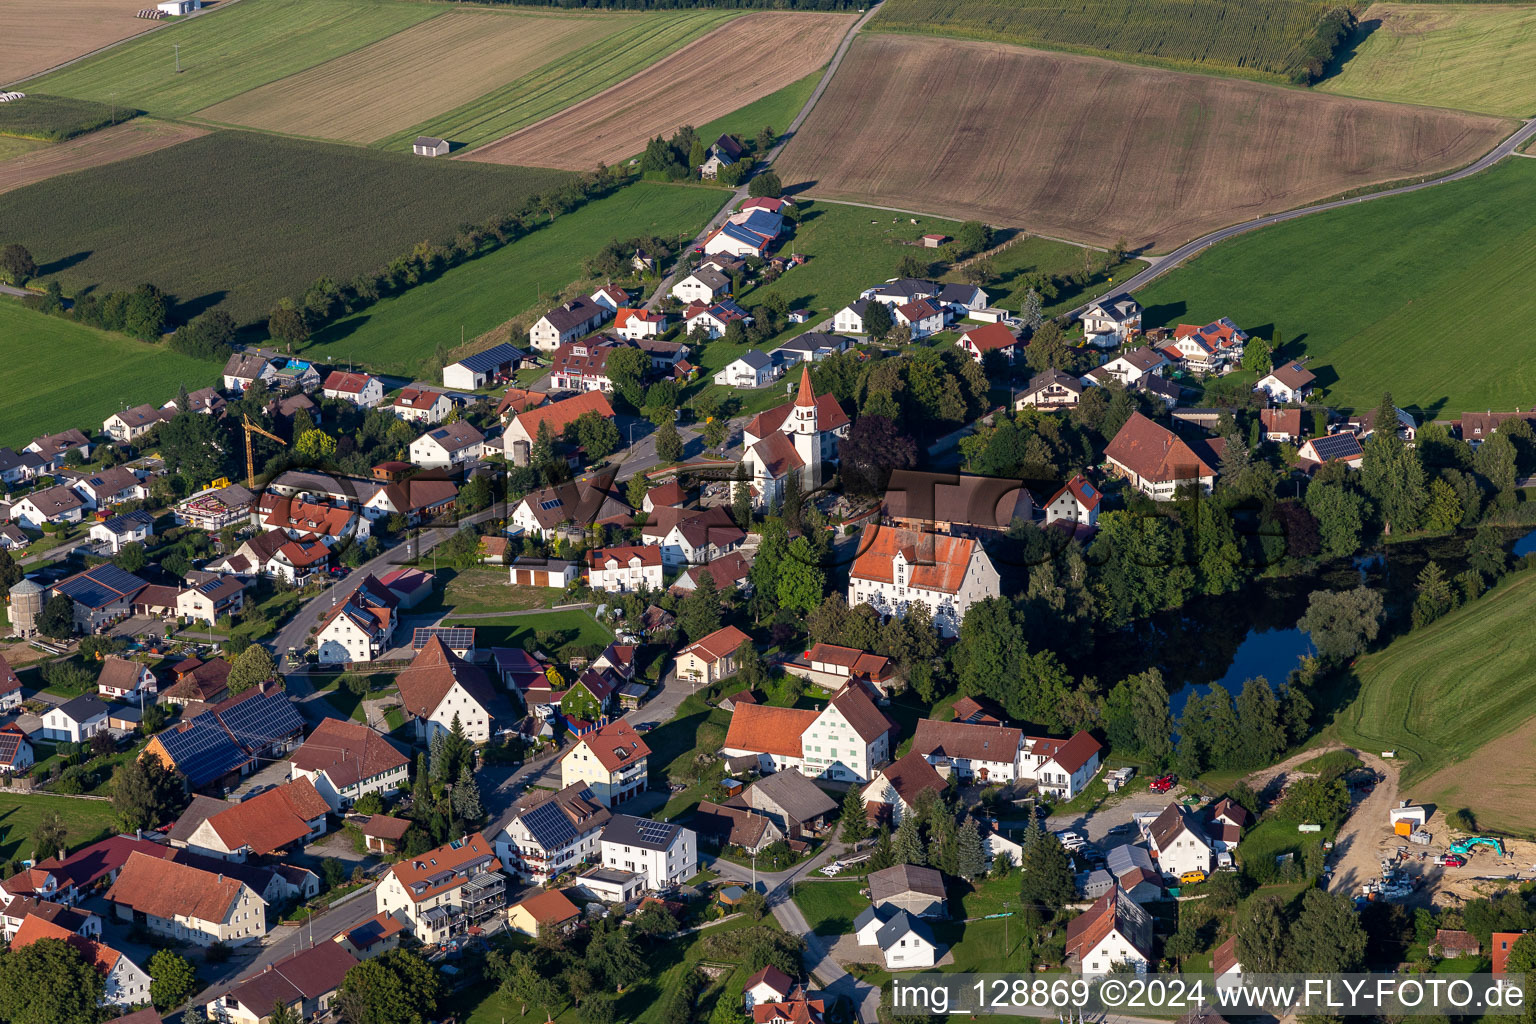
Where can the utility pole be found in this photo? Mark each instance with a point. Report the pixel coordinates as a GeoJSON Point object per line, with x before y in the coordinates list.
{"type": "Point", "coordinates": [177, 48]}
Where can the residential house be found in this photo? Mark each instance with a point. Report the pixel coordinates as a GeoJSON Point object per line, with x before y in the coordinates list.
{"type": "Point", "coordinates": [16, 751]}
{"type": "Point", "coordinates": [198, 681]}
{"type": "Point", "coordinates": [624, 569]}
{"type": "Point", "coordinates": [295, 375]}
{"type": "Point", "coordinates": [484, 368]}
{"type": "Point", "coordinates": [374, 937]}
{"type": "Point", "coordinates": [1132, 869]}
{"type": "Point", "coordinates": [1111, 322]}
{"type": "Point", "coordinates": [906, 942]}
{"type": "Point", "coordinates": [960, 505]}
{"type": "Point", "coordinates": [795, 804]}
{"type": "Point", "coordinates": [363, 390]}
{"type": "Point", "coordinates": [711, 658]}
{"type": "Point", "coordinates": [811, 347]}
{"type": "Point", "coordinates": [129, 425]}
{"type": "Point", "coordinates": [439, 686]}
{"type": "Point", "coordinates": [918, 891]}
{"type": "Point", "coordinates": [304, 984]}
{"type": "Point", "coordinates": [1179, 843]}
{"type": "Point", "coordinates": [831, 667]}
{"type": "Point", "coordinates": [546, 834]}
{"type": "Point", "coordinates": [979, 342]}
{"type": "Point", "coordinates": [1342, 447]}
{"type": "Point", "coordinates": [121, 679]}
{"type": "Point", "coordinates": [893, 790]}
{"type": "Point", "coordinates": [101, 594]}
{"type": "Point", "coordinates": [72, 920]}
{"type": "Point", "coordinates": [693, 537]}
{"type": "Point", "coordinates": [921, 318]}
{"type": "Point", "coordinates": [108, 487]}
{"type": "Point", "coordinates": [583, 365]}
{"type": "Point", "coordinates": [985, 753]}
{"type": "Point", "coordinates": [663, 853]}
{"type": "Point", "coordinates": [612, 761]}
{"type": "Point", "coordinates": [1063, 768]}
{"type": "Point", "coordinates": [309, 521]}
{"type": "Point", "coordinates": [900, 290]}
{"type": "Point", "coordinates": [846, 740]}
{"type": "Point", "coordinates": [344, 761]}
{"type": "Point", "coordinates": [523, 428]}
{"type": "Point", "coordinates": [723, 152]}
{"type": "Point", "coordinates": [1364, 424]}
{"type": "Point", "coordinates": [283, 817]}
{"type": "Point", "coordinates": [67, 880]}
{"type": "Point", "coordinates": [382, 833]}
{"type": "Point", "coordinates": [611, 298]}
{"type": "Point", "coordinates": [715, 318]}
{"type": "Point", "coordinates": [419, 499]}
{"type": "Point", "coordinates": [13, 539]}
{"type": "Point", "coordinates": [118, 532]}
{"type": "Point", "coordinates": [566, 323]}
{"type": "Point", "coordinates": [748, 232]}
{"type": "Point", "coordinates": [1077, 502]}
{"type": "Point", "coordinates": [1229, 972]}
{"type": "Point", "coordinates": [186, 904]}
{"type": "Point", "coordinates": [51, 448]}
{"type": "Point", "coordinates": [850, 319]}
{"type": "Point", "coordinates": [730, 573]}
{"type": "Point", "coordinates": [1225, 823]}
{"type": "Point", "coordinates": [769, 985]}
{"type": "Point", "coordinates": [56, 504]}
{"type": "Point", "coordinates": [1214, 348]}
{"type": "Point", "coordinates": [126, 983]}
{"type": "Point", "coordinates": [751, 369]}
{"type": "Point", "coordinates": [1281, 424]}
{"type": "Point", "coordinates": [203, 401]}
{"type": "Point", "coordinates": [634, 324]}
{"type": "Point", "coordinates": [667, 357]}
{"type": "Point", "coordinates": [441, 893]}
{"type": "Point", "coordinates": [1129, 367]}
{"type": "Point", "coordinates": [1155, 461]}
{"type": "Point", "coordinates": [1287, 383]}
{"type": "Point", "coordinates": [705, 285]}
{"type": "Point", "coordinates": [543, 913]}
{"type": "Point", "coordinates": [215, 508]}
{"type": "Point", "coordinates": [1169, 392]}
{"type": "Point", "coordinates": [1499, 945]}
{"type": "Point", "coordinates": [421, 403]}
{"type": "Point", "coordinates": [75, 721]}
{"type": "Point", "coordinates": [448, 445]}
{"type": "Point", "coordinates": [724, 826]}
{"type": "Point", "coordinates": [799, 437]}
{"type": "Point", "coordinates": [896, 569]}
{"type": "Point", "coordinates": [1051, 389]}
{"type": "Point", "coordinates": [1115, 930]}
{"type": "Point", "coordinates": [10, 687]}
{"type": "Point", "coordinates": [962, 300]}
{"type": "Point", "coordinates": [212, 599]}
{"type": "Point", "coordinates": [1477, 427]}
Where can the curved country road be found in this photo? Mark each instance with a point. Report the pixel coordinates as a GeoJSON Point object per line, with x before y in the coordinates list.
{"type": "Point", "coordinates": [1161, 265]}
{"type": "Point", "coordinates": [794, 126]}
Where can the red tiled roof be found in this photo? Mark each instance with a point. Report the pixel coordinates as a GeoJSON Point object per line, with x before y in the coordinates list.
{"type": "Point", "coordinates": [347, 752]}
{"type": "Point", "coordinates": [100, 956]}
{"type": "Point", "coordinates": [549, 907]}
{"type": "Point", "coordinates": [8, 679]}
{"type": "Point", "coordinates": [990, 338]}
{"type": "Point", "coordinates": [271, 820]}
{"type": "Point", "coordinates": [615, 745]}
{"type": "Point", "coordinates": [165, 888]}
{"type": "Point", "coordinates": [1225, 957]}
{"type": "Point", "coordinates": [775, 979]}
{"type": "Point", "coordinates": [768, 730]}
{"type": "Point", "coordinates": [1086, 494]}
{"type": "Point", "coordinates": [1154, 452]}
{"type": "Point", "coordinates": [1281, 421]}
{"type": "Point", "coordinates": [1075, 752]}
{"type": "Point", "coordinates": [560, 415]}
{"type": "Point", "coordinates": [1499, 946]}
{"type": "Point", "coordinates": [936, 563]}
{"type": "Point", "coordinates": [347, 383]}
{"type": "Point", "coordinates": [910, 776]}
{"type": "Point", "coordinates": [648, 554]}
{"type": "Point", "coordinates": [964, 740]}
{"type": "Point", "coordinates": [432, 673]}
{"type": "Point", "coordinates": [445, 859]}
{"type": "Point", "coordinates": [719, 644]}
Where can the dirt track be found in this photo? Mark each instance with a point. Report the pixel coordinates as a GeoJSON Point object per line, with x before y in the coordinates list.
{"type": "Point", "coordinates": [1098, 150]}
{"type": "Point", "coordinates": [742, 61]}
{"type": "Point", "coordinates": [119, 142]}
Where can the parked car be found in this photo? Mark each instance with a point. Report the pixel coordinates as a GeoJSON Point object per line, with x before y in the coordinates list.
{"type": "Point", "coordinates": [1192, 877]}
{"type": "Point", "coordinates": [1451, 860]}
{"type": "Point", "coordinates": [1164, 783]}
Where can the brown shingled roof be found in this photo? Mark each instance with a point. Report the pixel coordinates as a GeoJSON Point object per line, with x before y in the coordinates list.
{"type": "Point", "coordinates": [1154, 452]}
{"type": "Point", "coordinates": [347, 752]}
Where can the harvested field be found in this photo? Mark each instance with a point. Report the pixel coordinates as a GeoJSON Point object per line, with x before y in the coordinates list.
{"type": "Point", "coordinates": [616, 123]}
{"type": "Point", "coordinates": [412, 75]}
{"type": "Point", "coordinates": [41, 36]}
{"type": "Point", "coordinates": [1494, 783]}
{"type": "Point", "coordinates": [1469, 56]}
{"type": "Point", "coordinates": [104, 147]}
{"type": "Point", "coordinates": [1025, 138]}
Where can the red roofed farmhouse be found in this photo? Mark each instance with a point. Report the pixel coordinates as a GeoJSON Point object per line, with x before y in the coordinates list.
{"type": "Point", "coordinates": [1155, 462]}
{"type": "Point", "coordinates": [187, 904]}
{"type": "Point", "coordinates": [897, 569]}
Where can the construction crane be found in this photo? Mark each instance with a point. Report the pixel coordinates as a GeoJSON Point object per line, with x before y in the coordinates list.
{"type": "Point", "coordinates": [250, 464]}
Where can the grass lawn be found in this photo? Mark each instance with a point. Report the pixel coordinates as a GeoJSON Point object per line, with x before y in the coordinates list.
{"type": "Point", "coordinates": [775, 111]}
{"type": "Point", "coordinates": [1019, 262]}
{"type": "Point", "coordinates": [11, 146]}
{"type": "Point", "coordinates": [554, 86]}
{"type": "Point", "coordinates": [106, 372]}
{"type": "Point", "coordinates": [1270, 839]}
{"type": "Point", "coordinates": [1469, 56]}
{"type": "Point", "coordinates": [484, 588]}
{"type": "Point", "coordinates": [830, 907]}
{"type": "Point", "coordinates": [227, 52]}
{"type": "Point", "coordinates": [276, 214]}
{"type": "Point", "coordinates": [1338, 762]}
{"type": "Point", "coordinates": [397, 334]}
{"type": "Point", "coordinates": [578, 628]}
{"type": "Point", "coordinates": [56, 118]}
{"type": "Point", "coordinates": [87, 821]}
{"type": "Point", "coordinates": [695, 728]}
{"type": "Point", "coordinates": [349, 704]}
{"type": "Point", "coordinates": [1371, 293]}
{"type": "Point", "coordinates": [1455, 700]}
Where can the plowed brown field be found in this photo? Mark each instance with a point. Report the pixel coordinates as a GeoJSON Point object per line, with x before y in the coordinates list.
{"type": "Point", "coordinates": [133, 138]}
{"type": "Point", "coordinates": [412, 75]}
{"type": "Point", "coordinates": [38, 36]}
{"type": "Point", "coordinates": [734, 65]}
{"type": "Point", "coordinates": [1096, 150]}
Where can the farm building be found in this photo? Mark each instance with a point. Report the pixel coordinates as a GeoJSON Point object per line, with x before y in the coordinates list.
{"type": "Point", "coordinates": [426, 145]}
{"type": "Point", "coordinates": [483, 368]}
{"type": "Point", "coordinates": [176, 8]}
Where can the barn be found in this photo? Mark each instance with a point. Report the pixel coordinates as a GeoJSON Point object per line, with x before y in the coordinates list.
{"type": "Point", "coordinates": [426, 145]}
{"type": "Point", "coordinates": [483, 368]}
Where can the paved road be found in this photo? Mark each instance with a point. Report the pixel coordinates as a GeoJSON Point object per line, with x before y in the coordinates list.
{"type": "Point", "coordinates": [794, 126]}
{"type": "Point", "coordinates": [1166, 263]}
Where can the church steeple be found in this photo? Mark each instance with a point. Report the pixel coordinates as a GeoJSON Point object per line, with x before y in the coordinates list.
{"type": "Point", "coordinates": [806, 396]}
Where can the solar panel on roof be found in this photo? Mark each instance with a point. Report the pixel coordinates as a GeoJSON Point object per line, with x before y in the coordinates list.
{"type": "Point", "coordinates": [258, 721]}
{"type": "Point", "coordinates": [1336, 446]}
{"type": "Point", "coordinates": [551, 503]}
{"type": "Point", "coordinates": [455, 638]}
{"type": "Point", "coordinates": [549, 826]}
{"type": "Point", "coordinates": [204, 751]}
{"type": "Point", "coordinates": [491, 358]}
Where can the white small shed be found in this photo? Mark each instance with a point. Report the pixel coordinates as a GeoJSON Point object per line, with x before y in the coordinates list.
{"type": "Point", "coordinates": [179, 7]}
{"type": "Point", "coordinates": [1417, 815]}
{"type": "Point", "coordinates": [426, 145]}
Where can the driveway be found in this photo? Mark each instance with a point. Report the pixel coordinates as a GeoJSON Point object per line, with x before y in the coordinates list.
{"type": "Point", "coordinates": [1096, 825]}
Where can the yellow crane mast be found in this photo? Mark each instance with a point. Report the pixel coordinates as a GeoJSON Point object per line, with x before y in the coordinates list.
{"type": "Point", "coordinates": [250, 466]}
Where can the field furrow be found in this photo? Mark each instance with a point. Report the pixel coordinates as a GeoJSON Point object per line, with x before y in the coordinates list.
{"type": "Point", "coordinates": [616, 124]}
{"type": "Point", "coordinates": [104, 147]}
{"type": "Point", "coordinates": [1097, 150]}
{"type": "Point", "coordinates": [640, 42]}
